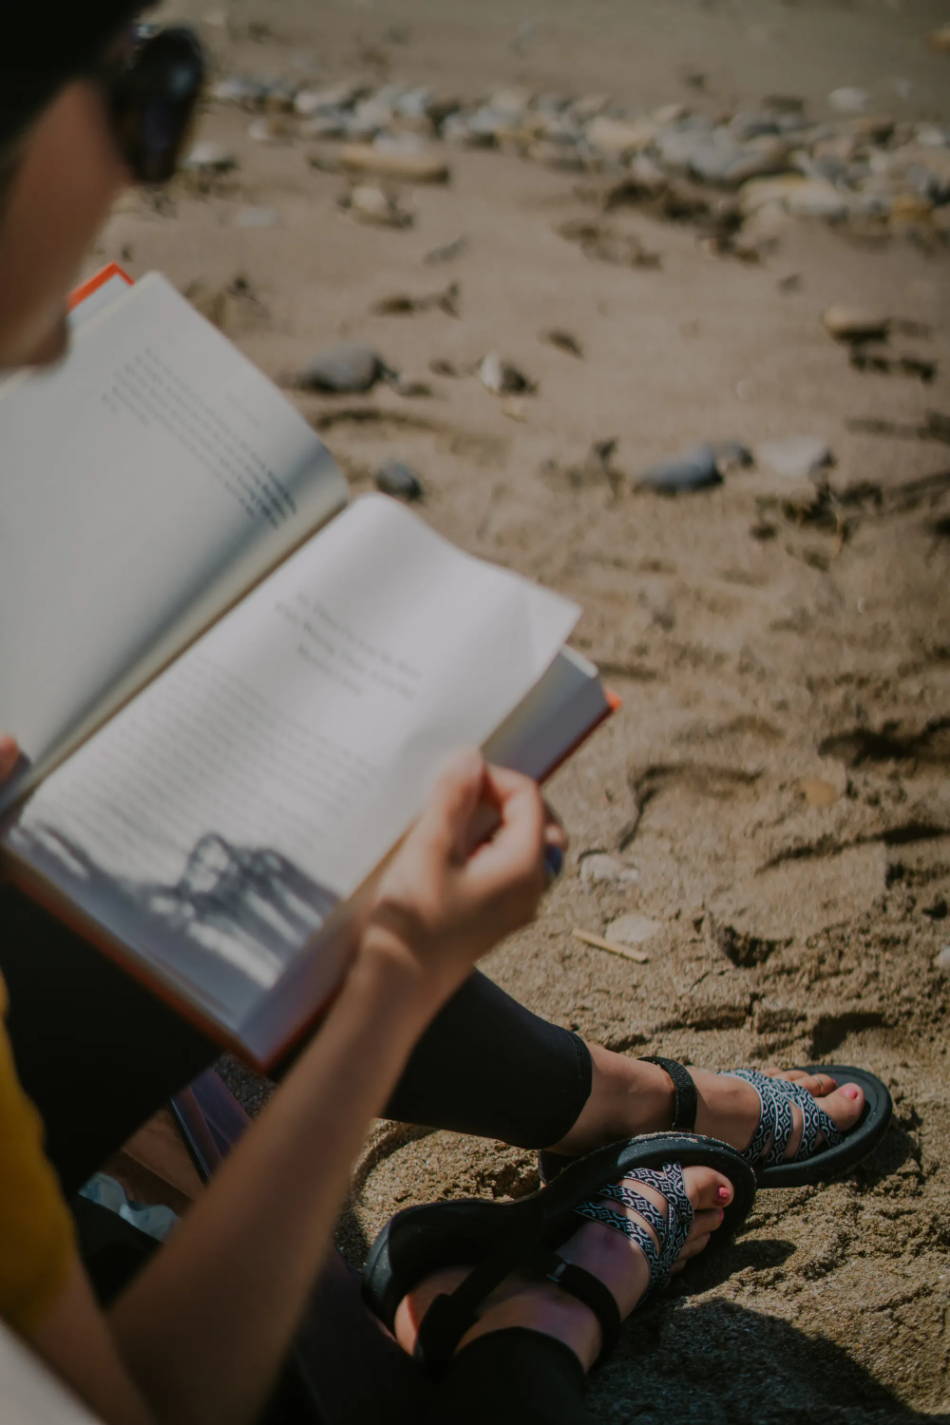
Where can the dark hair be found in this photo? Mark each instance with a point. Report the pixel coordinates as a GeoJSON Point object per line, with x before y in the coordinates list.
{"type": "Point", "coordinates": [42, 52]}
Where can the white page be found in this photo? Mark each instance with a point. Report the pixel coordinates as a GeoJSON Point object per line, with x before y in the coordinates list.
{"type": "Point", "coordinates": [292, 745]}
{"type": "Point", "coordinates": [144, 484]}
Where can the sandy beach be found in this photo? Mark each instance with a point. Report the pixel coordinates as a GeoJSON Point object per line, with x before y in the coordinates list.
{"type": "Point", "coordinates": [767, 820]}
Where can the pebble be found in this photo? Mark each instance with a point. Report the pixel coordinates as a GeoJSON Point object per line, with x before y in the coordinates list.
{"type": "Point", "coordinates": [564, 341]}
{"type": "Point", "coordinates": [502, 378]}
{"type": "Point", "coordinates": [270, 128]}
{"type": "Point", "coordinates": [396, 479]}
{"type": "Point", "coordinates": [346, 367]}
{"type": "Point", "coordinates": [942, 960]}
{"type": "Point", "coordinates": [372, 205]}
{"type": "Point", "coordinates": [413, 165]}
{"type": "Point", "coordinates": [633, 929]}
{"type": "Point", "coordinates": [208, 157]}
{"type": "Point", "coordinates": [257, 218]}
{"type": "Point", "coordinates": [695, 469]}
{"type": "Point", "coordinates": [599, 868]}
{"type": "Point", "coordinates": [849, 100]}
{"type": "Point", "coordinates": [800, 196]}
{"type": "Point", "coordinates": [619, 138]}
{"type": "Point", "coordinates": [856, 324]}
{"type": "Point", "coordinates": [795, 457]}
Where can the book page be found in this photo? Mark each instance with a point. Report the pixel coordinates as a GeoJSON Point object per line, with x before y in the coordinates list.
{"type": "Point", "coordinates": [144, 484]}
{"type": "Point", "coordinates": [219, 817]}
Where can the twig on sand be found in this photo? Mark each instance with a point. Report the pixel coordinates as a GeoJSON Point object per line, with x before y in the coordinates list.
{"type": "Point", "coordinates": [587, 937]}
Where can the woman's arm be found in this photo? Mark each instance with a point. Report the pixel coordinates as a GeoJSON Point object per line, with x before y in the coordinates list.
{"type": "Point", "coordinates": [202, 1331]}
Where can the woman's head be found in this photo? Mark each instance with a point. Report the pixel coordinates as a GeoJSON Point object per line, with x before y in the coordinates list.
{"type": "Point", "coordinates": [83, 114]}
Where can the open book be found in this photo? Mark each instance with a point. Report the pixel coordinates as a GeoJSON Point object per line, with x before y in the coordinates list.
{"type": "Point", "coordinates": [232, 688]}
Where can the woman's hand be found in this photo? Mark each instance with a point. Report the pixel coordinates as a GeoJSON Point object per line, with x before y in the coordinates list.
{"type": "Point", "coordinates": [9, 755]}
{"type": "Point", "coordinates": [470, 872]}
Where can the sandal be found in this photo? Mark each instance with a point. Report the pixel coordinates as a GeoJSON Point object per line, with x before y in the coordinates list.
{"type": "Point", "coordinates": [500, 1238]}
{"type": "Point", "coordinates": [839, 1152]}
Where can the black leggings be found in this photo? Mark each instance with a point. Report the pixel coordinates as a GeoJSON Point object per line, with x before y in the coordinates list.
{"type": "Point", "coordinates": [513, 1377]}
{"type": "Point", "coordinates": [99, 1055]}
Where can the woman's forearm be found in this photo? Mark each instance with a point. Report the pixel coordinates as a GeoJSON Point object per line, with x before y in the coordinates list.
{"type": "Point", "coordinates": [204, 1328]}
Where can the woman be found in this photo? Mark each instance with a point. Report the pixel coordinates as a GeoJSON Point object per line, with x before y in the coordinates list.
{"type": "Point", "coordinates": [412, 1033]}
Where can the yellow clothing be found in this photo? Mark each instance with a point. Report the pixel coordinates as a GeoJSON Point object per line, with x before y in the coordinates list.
{"type": "Point", "coordinates": [36, 1231]}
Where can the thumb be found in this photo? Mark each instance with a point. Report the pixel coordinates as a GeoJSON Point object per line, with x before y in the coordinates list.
{"type": "Point", "coordinates": [453, 802]}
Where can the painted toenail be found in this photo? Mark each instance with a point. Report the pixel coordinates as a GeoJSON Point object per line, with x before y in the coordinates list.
{"type": "Point", "coordinates": [851, 1092]}
{"type": "Point", "coordinates": [722, 1194]}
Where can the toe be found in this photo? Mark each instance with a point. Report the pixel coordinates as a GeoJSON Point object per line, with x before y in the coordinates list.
{"type": "Point", "coordinates": [844, 1106]}
{"type": "Point", "coordinates": [706, 1188]}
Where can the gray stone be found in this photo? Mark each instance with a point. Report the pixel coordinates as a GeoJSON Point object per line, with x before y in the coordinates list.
{"type": "Point", "coordinates": [695, 469]}
{"type": "Point", "coordinates": [942, 960]}
{"type": "Point", "coordinates": [502, 378]}
{"type": "Point", "coordinates": [618, 138]}
{"type": "Point", "coordinates": [346, 367]}
{"type": "Point", "coordinates": [849, 100]}
{"type": "Point", "coordinates": [633, 929]}
{"type": "Point", "coordinates": [369, 204]}
{"type": "Point", "coordinates": [795, 457]}
{"type": "Point", "coordinates": [599, 868]}
{"type": "Point", "coordinates": [800, 196]}
{"type": "Point", "coordinates": [856, 324]}
{"type": "Point", "coordinates": [209, 157]}
{"type": "Point", "coordinates": [731, 455]}
{"type": "Point", "coordinates": [396, 479]}
{"type": "Point", "coordinates": [257, 218]}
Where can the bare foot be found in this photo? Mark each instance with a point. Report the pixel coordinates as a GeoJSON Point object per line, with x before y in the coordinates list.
{"type": "Point", "coordinates": [630, 1096]}
{"type": "Point", "coordinates": [604, 1251]}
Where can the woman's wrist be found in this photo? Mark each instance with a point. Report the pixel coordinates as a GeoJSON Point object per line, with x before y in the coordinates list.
{"type": "Point", "coordinates": [388, 967]}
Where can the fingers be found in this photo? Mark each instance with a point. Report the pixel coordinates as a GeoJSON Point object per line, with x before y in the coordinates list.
{"type": "Point", "coordinates": [9, 755]}
{"type": "Point", "coordinates": [453, 802]}
{"type": "Point", "coordinates": [515, 854]}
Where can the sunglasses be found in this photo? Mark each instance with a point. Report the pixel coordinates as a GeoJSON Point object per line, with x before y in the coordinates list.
{"type": "Point", "coordinates": [153, 84]}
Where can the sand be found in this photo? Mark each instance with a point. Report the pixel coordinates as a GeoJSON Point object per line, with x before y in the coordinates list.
{"type": "Point", "coordinates": [776, 782]}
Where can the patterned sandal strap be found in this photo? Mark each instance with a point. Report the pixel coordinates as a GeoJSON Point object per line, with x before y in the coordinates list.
{"type": "Point", "coordinates": [671, 1228]}
{"type": "Point", "coordinates": [776, 1123]}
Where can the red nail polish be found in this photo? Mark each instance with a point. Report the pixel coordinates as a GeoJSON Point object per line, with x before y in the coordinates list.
{"type": "Point", "coordinates": [722, 1194]}
{"type": "Point", "coordinates": [851, 1092]}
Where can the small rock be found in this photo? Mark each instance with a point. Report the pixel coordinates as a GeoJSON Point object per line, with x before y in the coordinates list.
{"type": "Point", "coordinates": [796, 457]}
{"type": "Point", "coordinates": [801, 197]}
{"type": "Point", "coordinates": [817, 792]}
{"type": "Point", "coordinates": [849, 100]}
{"type": "Point", "coordinates": [447, 251]}
{"type": "Point", "coordinates": [503, 379]}
{"type": "Point", "coordinates": [403, 304]}
{"type": "Point", "coordinates": [731, 455]}
{"type": "Point", "coordinates": [695, 469]}
{"type": "Point", "coordinates": [396, 479]}
{"type": "Point", "coordinates": [599, 868]}
{"type": "Point", "coordinates": [346, 367]}
{"type": "Point", "coordinates": [208, 157]}
{"type": "Point", "coordinates": [372, 205]}
{"type": "Point", "coordinates": [856, 324]}
{"type": "Point", "coordinates": [413, 165]}
{"type": "Point", "coordinates": [257, 218]}
{"type": "Point", "coordinates": [942, 960]}
{"type": "Point", "coordinates": [270, 128]}
{"type": "Point", "coordinates": [564, 341]}
{"type": "Point", "coordinates": [618, 138]}
{"type": "Point", "coordinates": [633, 929]}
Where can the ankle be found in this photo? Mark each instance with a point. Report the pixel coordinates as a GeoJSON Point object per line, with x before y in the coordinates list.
{"type": "Point", "coordinates": [627, 1097]}
{"type": "Point", "coordinates": [543, 1308]}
